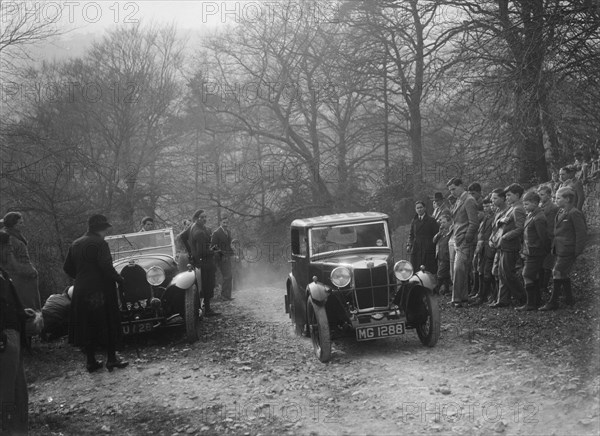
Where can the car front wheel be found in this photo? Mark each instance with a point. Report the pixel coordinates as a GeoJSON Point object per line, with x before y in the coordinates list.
{"type": "Point", "coordinates": [192, 314]}
{"type": "Point", "coordinates": [429, 329]}
{"type": "Point", "coordinates": [318, 326]}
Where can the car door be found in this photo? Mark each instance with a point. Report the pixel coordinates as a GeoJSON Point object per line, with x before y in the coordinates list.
{"type": "Point", "coordinates": [299, 262]}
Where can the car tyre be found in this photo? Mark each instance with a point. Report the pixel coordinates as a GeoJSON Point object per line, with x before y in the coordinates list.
{"type": "Point", "coordinates": [318, 326]}
{"type": "Point", "coordinates": [429, 330]}
{"type": "Point", "coordinates": [192, 314]}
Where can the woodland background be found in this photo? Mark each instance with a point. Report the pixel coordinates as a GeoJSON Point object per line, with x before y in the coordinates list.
{"type": "Point", "coordinates": [313, 108]}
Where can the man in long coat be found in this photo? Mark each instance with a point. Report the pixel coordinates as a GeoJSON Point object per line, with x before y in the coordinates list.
{"type": "Point", "coordinates": [221, 239]}
{"type": "Point", "coordinates": [95, 317]}
{"type": "Point", "coordinates": [423, 228]}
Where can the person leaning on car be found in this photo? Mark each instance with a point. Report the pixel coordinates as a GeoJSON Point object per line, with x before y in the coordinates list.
{"type": "Point", "coordinates": [203, 257]}
{"type": "Point", "coordinates": [95, 316]}
{"type": "Point", "coordinates": [463, 238]}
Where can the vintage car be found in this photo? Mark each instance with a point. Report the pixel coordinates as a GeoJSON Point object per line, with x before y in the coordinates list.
{"type": "Point", "coordinates": [344, 279]}
{"type": "Point", "coordinates": [155, 293]}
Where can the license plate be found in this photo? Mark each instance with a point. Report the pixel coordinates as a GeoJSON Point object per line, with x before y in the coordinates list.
{"type": "Point", "coordinates": [379, 331]}
{"type": "Point", "coordinates": [139, 327]}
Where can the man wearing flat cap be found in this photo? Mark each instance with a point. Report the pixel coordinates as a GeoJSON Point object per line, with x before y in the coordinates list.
{"type": "Point", "coordinates": [95, 318]}
{"type": "Point", "coordinates": [439, 206]}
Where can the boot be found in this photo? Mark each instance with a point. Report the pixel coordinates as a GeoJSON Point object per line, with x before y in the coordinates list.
{"type": "Point", "coordinates": [552, 303]}
{"type": "Point", "coordinates": [531, 291]}
{"type": "Point", "coordinates": [568, 292]}
{"type": "Point", "coordinates": [484, 290]}
{"type": "Point", "coordinates": [207, 309]}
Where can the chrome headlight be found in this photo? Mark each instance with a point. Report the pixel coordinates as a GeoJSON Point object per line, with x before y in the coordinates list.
{"type": "Point", "coordinates": [155, 275]}
{"type": "Point", "coordinates": [341, 276]}
{"type": "Point", "coordinates": [403, 270]}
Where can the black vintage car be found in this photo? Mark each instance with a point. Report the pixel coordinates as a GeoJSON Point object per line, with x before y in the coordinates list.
{"type": "Point", "coordinates": [155, 293]}
{"type": "Point", "coordinates": [344, 279]}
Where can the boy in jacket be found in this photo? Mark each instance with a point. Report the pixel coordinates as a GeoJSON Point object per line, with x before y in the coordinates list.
{"type": "Point", "coordinates": [570, 232]}
{"type": "Point", "coordinates": [536, 246]}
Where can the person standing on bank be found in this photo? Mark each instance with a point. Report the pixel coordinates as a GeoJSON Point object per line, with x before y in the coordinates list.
{"type": "Point", "coordinates": [536, 246]}
{"type": "Point", "coordinates": [550, 210]}
{"type": "Point", "coordinates": [14, 398]}
{"type": "Point", "coordinates": [203, 257]}
{"type": "Point", "coordinates": [420, 240]}
{"type": "Point", "coordinates": [95, 317]}
{"type": "Point", "coordinates": [483, 259]}
{"type": "Point", "coordinates": [568, 180]}
{"type": "Point", "coordinates": [511, 224]}
{"type": "Point", "coordinates": [221, 238]}
{"type": "Point", "coordinates": [22, 272]}
{"type": "Point", "coordinates": [463, 239]}
{"type": "Point", "coordinates": [439, 206]}
{"type": "Point", "coordinates": [570, 233]}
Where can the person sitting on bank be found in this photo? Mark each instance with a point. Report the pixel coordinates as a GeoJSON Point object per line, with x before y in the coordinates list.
{"type": "Point", "coordinates": [56, 315]}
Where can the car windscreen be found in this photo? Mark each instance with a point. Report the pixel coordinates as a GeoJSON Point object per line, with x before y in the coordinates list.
{"type": "Point", "coordinates": [335, 238]}
{"type": "Point", "coordinates": [143, 243]}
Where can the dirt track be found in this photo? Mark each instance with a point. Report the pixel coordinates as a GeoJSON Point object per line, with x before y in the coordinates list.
{"type": "Point", "coordinates": [250, 375]}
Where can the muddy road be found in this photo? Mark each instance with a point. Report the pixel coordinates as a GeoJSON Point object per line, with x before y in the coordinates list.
{"type": "Point", "coordinates": [250, 375]}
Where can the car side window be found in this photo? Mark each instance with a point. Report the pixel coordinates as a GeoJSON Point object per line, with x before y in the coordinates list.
{"type": "Point", "coordinates": [299, 245]}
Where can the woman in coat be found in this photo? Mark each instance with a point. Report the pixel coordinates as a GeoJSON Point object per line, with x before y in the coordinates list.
{"type": "Point", "coordinates": [22, 272]}
{"type": "Point", "coordinates": [420, 240]}
{"type": "Point", "coordinates": [95, 317]}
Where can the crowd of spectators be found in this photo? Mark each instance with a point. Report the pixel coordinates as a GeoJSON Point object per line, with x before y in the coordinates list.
{"type": "Point", "coordinates": [509, 247]}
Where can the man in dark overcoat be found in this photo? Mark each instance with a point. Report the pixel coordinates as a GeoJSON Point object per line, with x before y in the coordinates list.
{"type": "Point", "coordinates": [423, 228]}
{"type": "Point", "coordinates": [95, 317]}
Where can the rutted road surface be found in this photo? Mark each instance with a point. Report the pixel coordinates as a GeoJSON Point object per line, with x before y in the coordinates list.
{"type": "Point", "coordinates": [250, 375]}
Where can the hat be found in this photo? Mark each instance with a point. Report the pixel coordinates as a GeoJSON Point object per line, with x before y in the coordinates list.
{"type": "Point", "coordinates": [98, 223]}
{"type": "Point", "coordinates": [438, 196]}
{"type": "Point", "coordinates": [11, 218]}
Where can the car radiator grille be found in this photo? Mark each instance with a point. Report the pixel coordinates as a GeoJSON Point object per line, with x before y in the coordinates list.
{"type": "Point", "coordinates": [371, 287]}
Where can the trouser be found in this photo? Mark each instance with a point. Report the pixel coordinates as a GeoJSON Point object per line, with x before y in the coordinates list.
{"type": "Point", "coordinates": [532, 269]}
{"type": "Point", "coordinates": [452, 256]}
{"type": "Point", "coordinates": [462, 267]}
{"type": "Point", "coordinates": [14, 399]}
{"type": "Point", "coordinates": [489, 254]}
{"type": "Point", "coordinates": [207, 272]}
{"type": "Point", "coordinates": [510, 286]}
{"type": "Point", "coordinates": [224, 265]}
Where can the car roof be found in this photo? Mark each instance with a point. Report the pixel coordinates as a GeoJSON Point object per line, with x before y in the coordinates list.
{"type": "Point", "coordinates": [339, 218]}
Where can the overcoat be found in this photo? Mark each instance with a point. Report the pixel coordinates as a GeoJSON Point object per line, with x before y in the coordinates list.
{"type": "Point", "coordinates": [24, 276]}
{"type": "Point", "coordinates": [421, 236]}
{"type": "Point", "coordinates": [95, 316]}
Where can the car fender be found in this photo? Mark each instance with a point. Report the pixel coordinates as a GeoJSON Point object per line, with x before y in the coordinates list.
{"type": "Point", "coordinates": [425, 279]}
{"type": "Point", "coordinates": [292, 284]}
{"type": "Point", "coordinates": [319, 292]}
{"type": "Point", "coordinates": [184, 280]}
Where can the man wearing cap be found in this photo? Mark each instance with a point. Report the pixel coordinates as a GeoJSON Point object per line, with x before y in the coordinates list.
{"type": "Point", "coordinates": [203, 256]}
{"type": "Point", "coordinates": [95, 317]}
{"type": "Point", "coordinates": [439, 206]}
{"type": "Point", "coordinates": [464, 239]}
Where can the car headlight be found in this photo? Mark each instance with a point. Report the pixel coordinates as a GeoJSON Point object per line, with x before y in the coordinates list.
{"type": "Point", "coordinates": [403, 270]}
{"type": "Point", "coordinates": [155, 275]}
{"type": "Point", "coordinates": [341, 276]}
